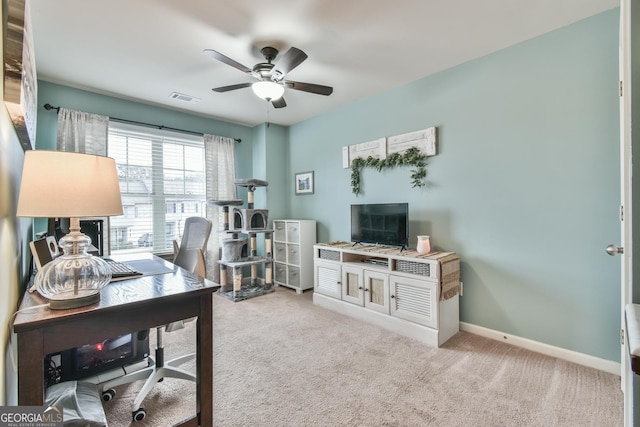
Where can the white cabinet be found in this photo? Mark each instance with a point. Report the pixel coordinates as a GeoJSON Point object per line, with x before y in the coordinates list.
{"type": "Point", "coordinates": [367, 288]}
{"type": "Point", "coordinates": [414, 300]}
{"type": "Point", "coordinates": [327, 279]}
{"type": "Point", "coordinates": [293, 241]}
{"type": "Point", "coordinates": [352, 280]}
{"type": "Point", "coordinates": [409, 293]}
{"type": "Point", "coordinates": [376, 291]}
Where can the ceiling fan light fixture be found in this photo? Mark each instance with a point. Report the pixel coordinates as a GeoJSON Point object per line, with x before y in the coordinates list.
{"type": "Point", "coordinates": [267, 90]}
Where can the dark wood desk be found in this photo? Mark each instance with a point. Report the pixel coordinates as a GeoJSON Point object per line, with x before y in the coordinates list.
{"type": "Point", "coordinates": [125, 306]}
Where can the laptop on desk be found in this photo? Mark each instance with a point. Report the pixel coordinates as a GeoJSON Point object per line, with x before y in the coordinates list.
{"type": "Point", "coordinates": [121, 270]}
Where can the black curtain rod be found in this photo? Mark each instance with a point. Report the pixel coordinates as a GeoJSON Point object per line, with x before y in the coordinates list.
{"type": "Point", "coordinates": [51, 107]}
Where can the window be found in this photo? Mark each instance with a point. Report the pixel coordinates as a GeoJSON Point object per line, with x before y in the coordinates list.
{"type": "Point", "coordinates": [162, 182]}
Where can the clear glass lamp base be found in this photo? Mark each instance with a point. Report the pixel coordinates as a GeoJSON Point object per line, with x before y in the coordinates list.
{"type": "Point", "coordinates": [75, 278]}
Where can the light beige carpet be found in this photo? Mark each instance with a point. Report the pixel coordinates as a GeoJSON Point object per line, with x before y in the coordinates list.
{"type": "Point", "coordinates": [281, 361]}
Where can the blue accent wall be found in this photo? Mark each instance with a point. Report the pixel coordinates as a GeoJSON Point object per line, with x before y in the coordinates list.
{"type": "Point", "coordinates": [525, 185]}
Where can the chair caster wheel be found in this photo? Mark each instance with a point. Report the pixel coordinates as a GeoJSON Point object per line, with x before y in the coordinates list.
{"type": "Point", "coordinates": [108, 395]}
{"type": "Point", "coordinates": [139, 414]}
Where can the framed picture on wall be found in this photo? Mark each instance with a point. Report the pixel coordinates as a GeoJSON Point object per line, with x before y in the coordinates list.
{"type": "Point", "coordinates": [304, 182]}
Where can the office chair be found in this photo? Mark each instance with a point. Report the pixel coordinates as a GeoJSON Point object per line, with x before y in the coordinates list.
{"type": "Point", "coordinates": [188, 254]}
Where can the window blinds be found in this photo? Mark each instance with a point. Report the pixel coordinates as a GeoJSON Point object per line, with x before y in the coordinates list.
{"type": "Point", "coordinates": [162, 182]}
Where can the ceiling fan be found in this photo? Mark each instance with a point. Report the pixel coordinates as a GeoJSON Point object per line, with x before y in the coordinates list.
{"type": "Point", "coordinates": [271, 83]}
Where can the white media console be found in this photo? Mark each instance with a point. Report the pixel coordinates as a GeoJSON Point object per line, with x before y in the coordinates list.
{"type": "Point", "coordinates": [400, 290]}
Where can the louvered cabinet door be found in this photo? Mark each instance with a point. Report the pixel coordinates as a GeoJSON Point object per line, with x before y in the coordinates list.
{"type": "Point", "coordinates": [327, 279]}
{"type": "Point", "coordinates": [414, 300]}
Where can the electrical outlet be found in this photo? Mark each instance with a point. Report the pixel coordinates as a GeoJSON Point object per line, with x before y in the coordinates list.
{"type": "Point", "coordinates": [461, 288]}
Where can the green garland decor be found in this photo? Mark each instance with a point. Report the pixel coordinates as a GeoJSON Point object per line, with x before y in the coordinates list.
{"type": "Point", "coordinates": [411, 157]}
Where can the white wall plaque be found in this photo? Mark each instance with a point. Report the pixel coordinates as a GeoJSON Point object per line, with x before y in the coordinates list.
{"type": "Point", "coordinates": [376, 149]}
{"type": "Point", "coordinates": [424, 139]}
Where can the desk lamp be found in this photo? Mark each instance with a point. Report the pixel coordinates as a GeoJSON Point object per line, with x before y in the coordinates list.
{"type": "Point", "coordinates": [58, 184]}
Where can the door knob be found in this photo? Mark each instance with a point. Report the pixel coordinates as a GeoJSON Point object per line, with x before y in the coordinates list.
{"type": "Point", "coordinates": [613, 250]}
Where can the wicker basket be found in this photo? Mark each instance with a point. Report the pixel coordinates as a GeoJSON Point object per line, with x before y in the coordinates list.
{"type": "Point", "coordinates": [413, 267]}
{"type": "Point", "coordinates": [330, 255]}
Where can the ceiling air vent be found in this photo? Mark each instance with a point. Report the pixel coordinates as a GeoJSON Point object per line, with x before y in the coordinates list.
{"type": "Point", "coordinates": [183, 97]}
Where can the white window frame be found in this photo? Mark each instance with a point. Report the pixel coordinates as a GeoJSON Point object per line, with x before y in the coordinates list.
{"type": "Point", "coordinates": [161, 219]}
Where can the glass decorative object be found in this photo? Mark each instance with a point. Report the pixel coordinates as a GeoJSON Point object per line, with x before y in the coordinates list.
{"type": "Point", "coordinates": [75, 278]}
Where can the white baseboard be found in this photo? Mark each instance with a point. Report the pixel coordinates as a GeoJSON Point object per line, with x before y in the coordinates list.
{"type": "Point", "coordinates": [549, 350]}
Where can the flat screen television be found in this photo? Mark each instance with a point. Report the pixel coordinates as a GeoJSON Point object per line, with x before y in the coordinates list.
{"type": "Point", "coordinates": [381, 224]}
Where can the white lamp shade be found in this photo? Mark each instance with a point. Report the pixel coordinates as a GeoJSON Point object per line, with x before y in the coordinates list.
{"type": "Point", "coordinates": [268, 90]}
{"type": "Point", "coordinates": [58, 184]}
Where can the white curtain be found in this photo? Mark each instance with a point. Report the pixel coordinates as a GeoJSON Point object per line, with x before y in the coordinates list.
{"type": "Point", "coordinates": [220, 175]}
{"type": "Point", "coordinates": [82, 132]}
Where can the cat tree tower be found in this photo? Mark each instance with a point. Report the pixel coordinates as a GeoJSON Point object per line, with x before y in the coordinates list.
{"type": "Point", "coordinates": [240, 249]}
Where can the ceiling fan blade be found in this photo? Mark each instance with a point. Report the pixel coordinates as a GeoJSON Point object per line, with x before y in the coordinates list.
{"type": "Point", "coordinates": [279, 103]}
{"type": "Point", "coordinates": [309, 87]}
{"type": "Point", "coordinates": [222, 58]}
{"type": "Point", "coordinates": [291, 59]}
{"type": "Point", "coordinates": [231, 87]}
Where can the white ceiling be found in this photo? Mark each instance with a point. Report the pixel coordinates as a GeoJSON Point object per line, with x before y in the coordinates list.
{"type": "Point", "coordinates": [144, 50]}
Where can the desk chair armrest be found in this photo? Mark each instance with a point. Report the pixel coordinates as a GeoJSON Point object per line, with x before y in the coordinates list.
{"type": "Point", "coordinates": [176, 249]}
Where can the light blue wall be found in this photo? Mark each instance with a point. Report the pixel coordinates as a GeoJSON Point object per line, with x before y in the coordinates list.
{"type": "Point", "coordinates": [525, 185]}
{"type": "Point", "coordinates": [269, 153]}
{"type": "Point", "coordinates": [275, 158]}
{"type": "Point", "coordinates": [64, 96]}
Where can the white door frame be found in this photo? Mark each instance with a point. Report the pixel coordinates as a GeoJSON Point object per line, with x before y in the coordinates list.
{"type": "Point", "coordinates": [625, 198]}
